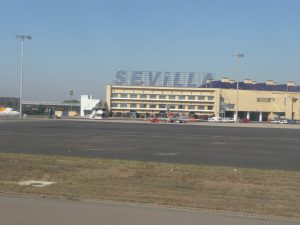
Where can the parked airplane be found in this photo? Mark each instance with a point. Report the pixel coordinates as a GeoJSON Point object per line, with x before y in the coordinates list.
{"type": "Point", "coordinates": [8, 112]}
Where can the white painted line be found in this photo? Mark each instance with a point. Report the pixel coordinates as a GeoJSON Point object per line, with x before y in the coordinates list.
{"type": "Point", "coordinates": [166, 154]}
{"type": "Point", "coordinates": [36, 183]}
{"type": "Point", "coordinates": [219, 143]}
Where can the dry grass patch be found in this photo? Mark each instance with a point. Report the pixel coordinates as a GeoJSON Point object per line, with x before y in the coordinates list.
{"type": "Point", "coordinates": [269, 192]}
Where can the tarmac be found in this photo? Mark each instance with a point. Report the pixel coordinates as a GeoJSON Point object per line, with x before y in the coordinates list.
{"type": "Point", "coordinates": [235, 145]}
{"type": "Point", "coordinates": [28, 210]}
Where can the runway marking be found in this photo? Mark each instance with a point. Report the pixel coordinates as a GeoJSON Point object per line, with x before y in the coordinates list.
{"type": "Point", "coordinates": [219, 143]}
{"type": "Point", "coordinates": [36, 183]}
{"type": "Point", "coordinates": [166, 154]}
{"type": "Point", "coordinates": [153, 135]}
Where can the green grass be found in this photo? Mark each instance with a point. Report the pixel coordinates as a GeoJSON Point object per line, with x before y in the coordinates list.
{"type": "Point", "coordinates": [271, 192]}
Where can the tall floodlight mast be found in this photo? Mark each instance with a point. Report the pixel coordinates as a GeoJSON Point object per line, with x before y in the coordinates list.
{"type": "Point", "coordinates": [238, 56]}
{"type": "Point", "coordinates": [22, 38]}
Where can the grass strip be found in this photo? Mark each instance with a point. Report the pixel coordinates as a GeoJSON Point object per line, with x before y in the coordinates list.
{"type": "Point", "coordinates": [269, 192]}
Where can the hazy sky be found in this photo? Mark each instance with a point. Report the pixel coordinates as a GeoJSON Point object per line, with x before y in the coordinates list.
{"type": "Point", "coordinates": [76, 44]}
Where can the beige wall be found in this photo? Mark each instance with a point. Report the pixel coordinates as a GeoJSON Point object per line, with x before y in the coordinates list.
{"type": "Point", "coordinates": [206, 106]}
{"type": "Point", "coordinates": [108, 95]}
{"type": "Point", "coordinates": [249, 100]}
{"type": "Point", "coordinates": [256, 101]}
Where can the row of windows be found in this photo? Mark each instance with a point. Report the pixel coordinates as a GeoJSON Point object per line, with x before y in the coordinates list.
{"type": "Point", "coordinates": [153, 96]}
{"type": "Point", "coordinates": [161, 102]}
{"type": "Point", "coordinates": [160, 106]}
{"type": "Point", "coordinates": [265, 99]}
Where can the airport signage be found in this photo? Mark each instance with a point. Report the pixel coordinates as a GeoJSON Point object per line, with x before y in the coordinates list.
{"type": "Point", "coordinates": [160, 79]}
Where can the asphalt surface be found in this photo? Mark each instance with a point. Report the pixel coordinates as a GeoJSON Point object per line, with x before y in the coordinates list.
{"type": "Point", "coordinates": [36, 211]}
{"type": "Point", "coordinates": [175, 143]}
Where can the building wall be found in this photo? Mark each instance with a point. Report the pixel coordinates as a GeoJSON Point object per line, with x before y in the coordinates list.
{"type": "Point", "coordinates": [123, 99]}
{"type": "Point", "coordinates": [202, 101]}
{"type": "Point", "coordinates": [270, 102]}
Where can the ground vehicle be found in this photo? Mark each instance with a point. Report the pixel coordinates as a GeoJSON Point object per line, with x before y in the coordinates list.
{"type": "Point", "coordinates": [173, 118]}
{"type": "Point", "coordinates": [8, 112]}
{"type": "Point", "coordinates": [279, 120]}
{"type": "Point", "coordinates": [221, 119]}
{"type": "Point", "coordinates": [177, 118]}
{"type": "Point", "coordinates": [283, 121]}
{"type": "Point", "coordinates": [97, 114]}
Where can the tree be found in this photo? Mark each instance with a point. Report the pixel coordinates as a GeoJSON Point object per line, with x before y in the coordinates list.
{"type": "Point", "coordinates": [71, 101]}
{"type": "Point", "coordinates": [41, 109]}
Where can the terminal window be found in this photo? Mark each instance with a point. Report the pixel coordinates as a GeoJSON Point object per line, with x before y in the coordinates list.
{"type": "Point", "coordinates": [265, 99]}
{"type": "Point", "coordinates": [133, 95]}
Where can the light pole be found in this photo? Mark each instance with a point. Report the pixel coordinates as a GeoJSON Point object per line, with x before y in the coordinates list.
{"type": "Point", "coordinates": [22, 37]}
{"type": "Point", "coordinates": [71, 93]}
{"type": "Point", "coordinates": [238, 56]}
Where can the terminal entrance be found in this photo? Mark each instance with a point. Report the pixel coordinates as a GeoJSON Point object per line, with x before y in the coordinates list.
{"type": "Point", "coordinates": [259, 116]}
{"type": "Point", "coordinates": [229, 114]}
{"type": "Point", "coordinates": [252, 116]}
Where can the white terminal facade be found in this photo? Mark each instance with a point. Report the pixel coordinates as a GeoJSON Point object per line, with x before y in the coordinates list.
{"type": "Point", "coordinates": [256, 101]}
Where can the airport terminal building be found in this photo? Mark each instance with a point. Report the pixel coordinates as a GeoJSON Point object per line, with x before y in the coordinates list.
{"type": "Point", "coordinates": [198, 95]}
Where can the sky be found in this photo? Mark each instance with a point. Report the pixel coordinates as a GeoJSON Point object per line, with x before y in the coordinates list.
{"type": "Point", "coordinates": [77, 44]}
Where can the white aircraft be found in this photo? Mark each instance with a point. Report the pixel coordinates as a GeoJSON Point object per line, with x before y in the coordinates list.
{"type": "Point", "coordinates": [8, 112]}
